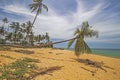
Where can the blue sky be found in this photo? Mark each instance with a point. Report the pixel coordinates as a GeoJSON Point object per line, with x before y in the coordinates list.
{"type": "Point", "coordinates": [64, 16]}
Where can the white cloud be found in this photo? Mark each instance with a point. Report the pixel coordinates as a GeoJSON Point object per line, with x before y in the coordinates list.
{"type": "Point", "coordinates": [62, 27]}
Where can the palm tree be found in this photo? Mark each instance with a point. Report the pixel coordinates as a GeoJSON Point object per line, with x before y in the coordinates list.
{"type": "Point", "coordinates": [2, 29]}
{"type": "Point", "coordinates": [9, 37]}
{"type": "Point", "coordinates": [16, 28]}
{"type": "Point", "coordinates": [28, 30]}
{"type": "Point", "coordinates": [39, 38]}
{"type": "Point", "coordinates": [5, 20]}
{"type": "Point", "coordinates": [80, 45]}
{"type": "Point", "coordinates": [19, 37]}
{"type": "Point", "coordinates": [37, 6]}
{"type": "Point", "coordinates": [47, 38]}
{"type": "Point", "coordinates": [31, 38]}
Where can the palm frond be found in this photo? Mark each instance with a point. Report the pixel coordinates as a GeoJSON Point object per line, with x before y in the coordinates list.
{"type": "Point", "coordinates": [70, 43]}
{"type": "Point", "coordinates": [45, 7]}
{"type": "Point", "coordinates": [77, 31]}
{"type": "Point", "coordinates": [87, 48]}
{"type": "Point", "coordinates": [81, 47]}
{"type": "Point", "coordinates": [33, 7]}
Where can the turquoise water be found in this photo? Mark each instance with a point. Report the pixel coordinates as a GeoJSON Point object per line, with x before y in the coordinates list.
{"type": "Point", "coordinates": [106, 52]}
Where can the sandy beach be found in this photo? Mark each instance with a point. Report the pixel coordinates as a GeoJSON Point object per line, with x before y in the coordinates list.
{"type": "Point", "coordinates": [68, 67]}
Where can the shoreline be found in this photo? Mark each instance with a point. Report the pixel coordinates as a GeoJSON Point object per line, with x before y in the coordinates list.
{"type": "Point", "coordinates": [103, 53]}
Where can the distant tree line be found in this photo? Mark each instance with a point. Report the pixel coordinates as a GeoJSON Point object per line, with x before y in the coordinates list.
{"type": "Point", "coordinates": [14, 33]}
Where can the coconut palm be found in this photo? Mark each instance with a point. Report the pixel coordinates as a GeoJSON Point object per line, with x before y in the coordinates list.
{"type": "Point", "coordinates": [80, 45]}
{"type": "Point", "coordinates": [9, 37]}
{"type": "Point", "coordinates": [47, 38]}
{"type": "Point", "coordinates": [37, 6]}
{"type": "Point", "coordinates": [28, 30]}
{"type": "Point", "coordinates": [16, 28]}
{"type": "Point", "coordinates": [2, 28]}
{"type": "Point", "coordinates": [5, 20]}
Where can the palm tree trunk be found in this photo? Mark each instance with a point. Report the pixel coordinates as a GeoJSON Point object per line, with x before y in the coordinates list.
{"type": "Point", "coordinates": [64, 41]}
{"type": "Point", "coordinates": [59, 42]}
{"type": "Point", "coordinates": [35, 18]}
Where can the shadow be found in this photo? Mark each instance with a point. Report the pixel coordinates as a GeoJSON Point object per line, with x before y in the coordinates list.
{"type": "Point", "coordinates": [50, 70]}
{"type": "Point", "coordinates": [58, 59]}
{"type": "Point", "coordinates": [43, 71]}
{"type": "Point", "coordinates": [95, 64]}
{"type": "Point", "coordinates": [24, 51]}
{"type": "Point", "coordinates": [5, 48]}
{"type": "Point", "coordinates": [93, 72]}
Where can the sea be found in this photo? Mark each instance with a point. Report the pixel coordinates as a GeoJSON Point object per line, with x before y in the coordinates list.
{"type": "Point", "coordinates": [115, 53]}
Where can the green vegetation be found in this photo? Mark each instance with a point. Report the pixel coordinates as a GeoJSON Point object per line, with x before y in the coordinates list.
{"type": "Point", "coordinates": [80, 45]}
{"type": "Point", "coordinates": [14, 33]}
{"type": "Point", "coordinates": [22, 34]}
{"type": "Point", "coordinates": [37, 6]}
{"type": "Point", "coordinates": [18, 69]}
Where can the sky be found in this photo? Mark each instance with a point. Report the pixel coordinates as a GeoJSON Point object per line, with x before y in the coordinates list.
{"type": "Point", "coordinates": [64, 16]}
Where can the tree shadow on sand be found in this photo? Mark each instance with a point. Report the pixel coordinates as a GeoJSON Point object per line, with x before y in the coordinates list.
{"type": "Point", "coordinates": [58, 59]}
{"type": "Point", "coordinates": [43, 71]}
{"type": "Point", "coordinates": [24, 51]}
{"type": "Point", "coordinates": [98, 65]}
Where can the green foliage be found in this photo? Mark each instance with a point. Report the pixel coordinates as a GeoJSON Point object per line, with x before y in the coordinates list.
{"type": "Point", "coordinates": [37, 6]}
{"type": "Point", "coordinates": [70, 43]}
{"type": "Point", "coordinates": [80, 45]}
{"type": "Point", "coordinates": [18, 69]}
{"type": "Point", "coordinates": [2, 41]}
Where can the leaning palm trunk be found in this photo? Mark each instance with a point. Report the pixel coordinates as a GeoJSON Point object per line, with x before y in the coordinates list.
{"type": "Point", "coordinates": [65, 40]}
{"type": "Point", "coordinates": [58, 42]}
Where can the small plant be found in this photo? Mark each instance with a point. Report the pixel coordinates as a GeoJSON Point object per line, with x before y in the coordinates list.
{"type": "Point", "coordinates": [18, 69]}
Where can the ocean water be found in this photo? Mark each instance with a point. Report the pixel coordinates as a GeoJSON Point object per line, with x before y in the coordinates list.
{"type": "Point", "coordinates": [106, 52]}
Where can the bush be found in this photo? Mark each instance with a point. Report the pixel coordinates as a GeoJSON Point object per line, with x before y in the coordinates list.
{"type": "Point", "coordinates": [18, 69]}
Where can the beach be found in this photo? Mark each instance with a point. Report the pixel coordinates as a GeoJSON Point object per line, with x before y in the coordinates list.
{"type": "Point", "coordinates": [68, 67]}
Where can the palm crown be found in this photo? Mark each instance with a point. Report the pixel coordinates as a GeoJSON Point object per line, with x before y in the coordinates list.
{"type": "Point", "coordinates": [37, 6]}
{"type": "Point", "coordinates": [80, 45]}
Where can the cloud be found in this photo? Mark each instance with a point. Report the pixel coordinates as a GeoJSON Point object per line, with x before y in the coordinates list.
{"type": "Point", "coordinates": [62, 26]}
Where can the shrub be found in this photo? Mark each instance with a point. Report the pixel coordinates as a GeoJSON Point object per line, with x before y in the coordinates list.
{"type": "Point", "coordinates": [18, 69]}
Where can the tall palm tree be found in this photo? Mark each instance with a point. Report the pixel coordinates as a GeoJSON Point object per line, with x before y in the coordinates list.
{"type": "Point", "coordinates": [5, 20]}
{"type": "Point", "coordinates": [37, 6]}
{"type": "Point", "coordinates": [2, 28]}
{"type": "Point", "coordinates": [80, 45]}
{"type": "Point", "coordinates": [16, 28]}
{"type": "Point", "coordinates": [28, 30]}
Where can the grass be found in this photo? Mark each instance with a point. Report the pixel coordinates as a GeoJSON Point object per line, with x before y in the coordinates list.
{"type": "Point", "coordinates": [18, 69]}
